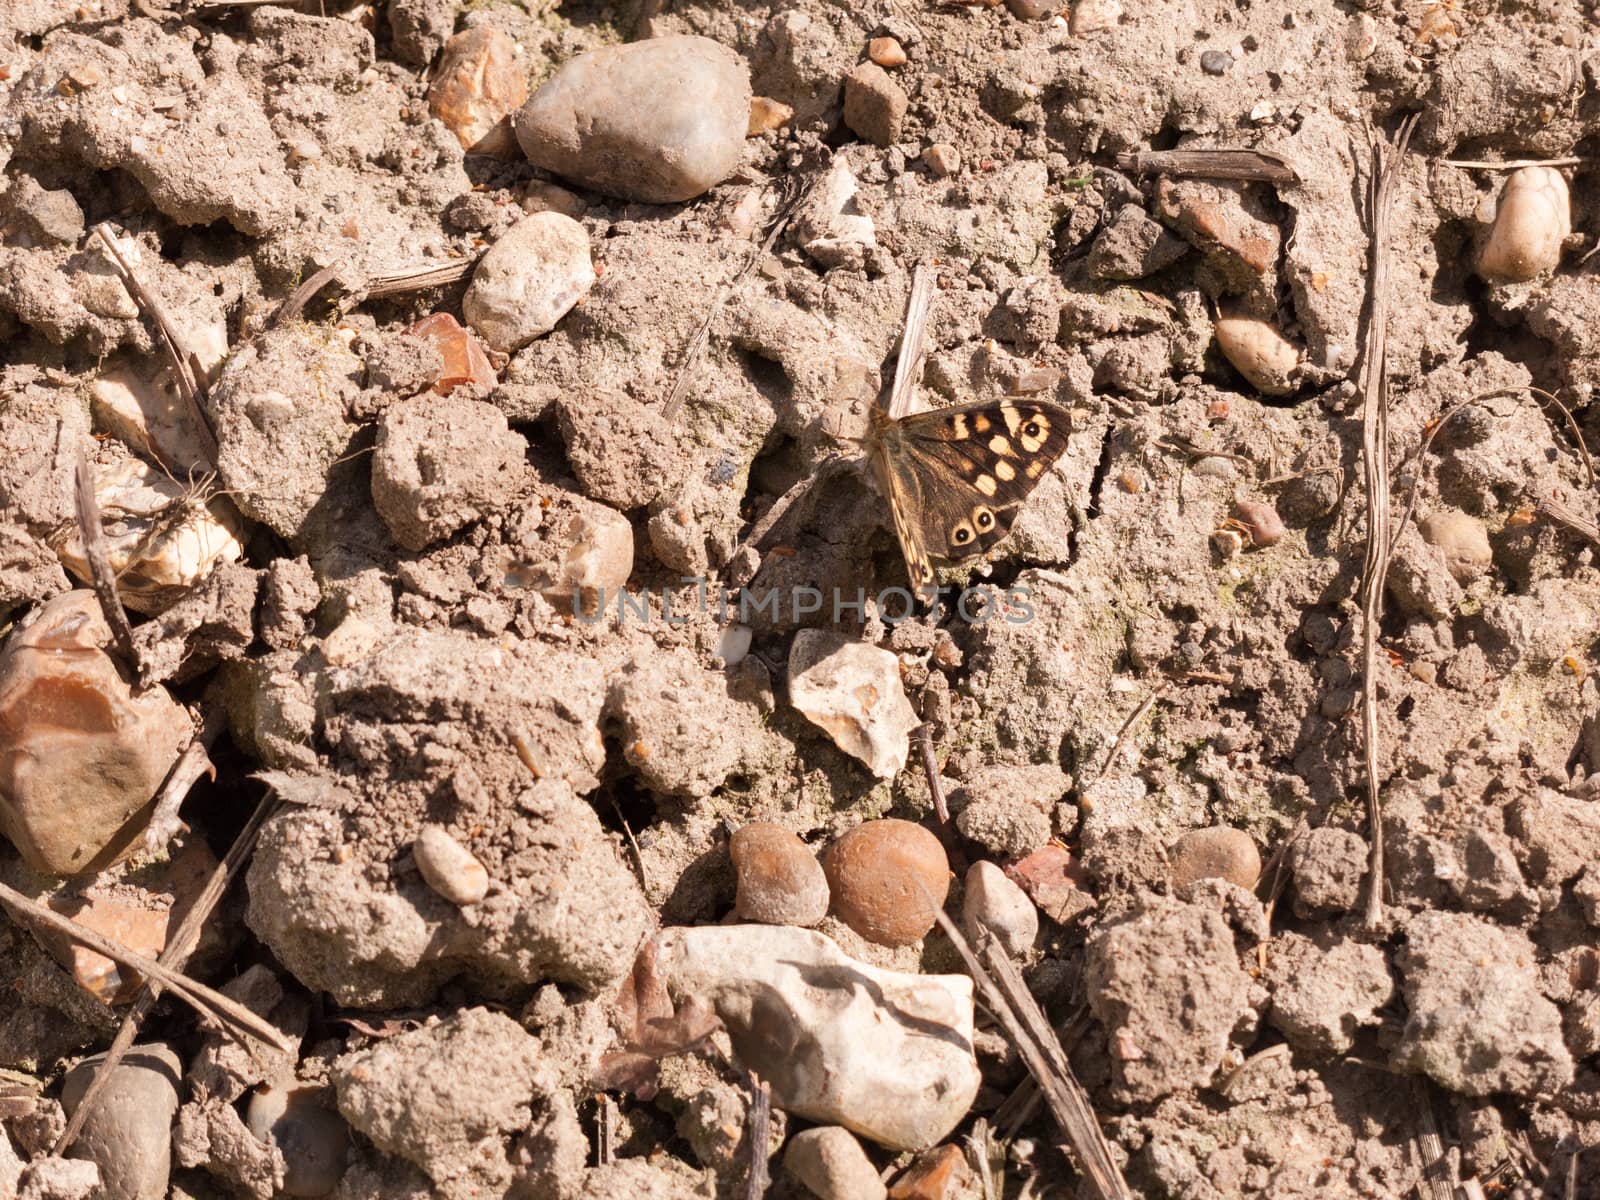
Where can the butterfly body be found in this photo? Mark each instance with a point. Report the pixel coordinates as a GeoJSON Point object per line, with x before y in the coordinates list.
{"type": "Point", "coordinates": [956, 478]}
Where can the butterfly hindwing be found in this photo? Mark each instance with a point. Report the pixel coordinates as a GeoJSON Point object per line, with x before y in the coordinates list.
{"type": "Point", "coordinates": [901, 489]}
{"type": "Point", "coordinates": [971, 468]}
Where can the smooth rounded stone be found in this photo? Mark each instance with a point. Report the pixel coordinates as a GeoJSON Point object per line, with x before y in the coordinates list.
{"type": "Point", "coordinates": [1462, 539]}
{"type": "Point", "coordinates": [830, 1162]}
{"type": "Point", "coordinates": [657, 121]}
{"type": "Point", "coordinates": [889, 880]}
{"type": "Point", "coordinates": [80, 751]}
{"type": "Point", "coordinates": [780, 880]}
{"type": "Point", "coordinates": [1216, 62]}
{"type": "Point", "coordinates": [313, 1138]}
{"type": "Point", "coordinates": [448, 867]}
{"type": "Point", "coordinates": [874, 104]}
{"type": "Point", "coordinates": [1260, 353]}
{"type": "Point", "coordinates": [853, 692]}
{"type": "Point", "coordinates": [160, 544]}
{"type": "Point", "coordinates": [1528, 223]}
{"type": "Point", "coordinates": [128, 1132]}
{"type": "Point", "coordinates": [886, 52]}
{"type": "Point", "coordinates": [442, 463]}
{"type": "Point", "coordinates": [542, 196]}
{"type": "Point", "coordinates": [887, 1055]}
{"type": "Point", "coordinates": [528, 280]}
{"type": "Point", "coordinates": [479, 81]}
{"type": "Point", "coordinates": [942, 160]}
{"type": "Point", "coordinates": [1261, 521]}
{"type": "Point", "coordinates": [993, 902]}
{"type": "Point", "coordinates": [1218, 852]}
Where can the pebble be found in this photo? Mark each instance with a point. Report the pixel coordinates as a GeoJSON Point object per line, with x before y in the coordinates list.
{"type": "Point", "coordinates": [831, 228]}
{"type": "Point", "coordinates": [313, 1138]}
{"type": "Point", "coordinates": [542, 196]}
{"type": "Point", "coordinates": [1055, 882]}
{"type": "Point", "coordinates": [128, 1132]}
{"type": "Point", "coordinates": [448, 867]}
{"type": "Point", "coordinates": [658, 121]}
{"type": "Point", "coordinates": [1529, 222]}
{"type": "Point", "coordinates": [886, 52]}
{"type": "Point", "coordinates": [464, 359]}
{"type": "Point", "coordinates": [1216, 62]}
{"type": "Point", "coordinates": [80, 751]}
{"type": "Point", "coordinates": [830, 1162]}
{"type": "Point", "coordinates": [59, 1179]}
{"type": "Point", "coordinates": [1033, 10]}
{"type": "Point", "coordinates": [780, 880]}
{"type": "Point", "coordinates": [942, 1173]}
{"type": "Point", "coordinates": [1260, 353]}
{"type": "Point", "coordinates": [886, 1054]}
{"type": "Point", "coordinates": [1218, 852]}
{"type": "Point", "coordinates": [993, 902]}
{"type": "Point", "coordinates": [889, 878]}
{"type": "Point", "coordinates": [1261, 522]}
{"type": "Point", "coordinates": [1462, 539]}
{"type": "Point", "coordinates": [767, 114]}
{"type": "Point", "coordinates": [874, 105]}
{"type": "Point", "coordinates": [942, 160]}
{"type": "Point", "coordinates": [854, 692]}
{"type": "Point", "coordinates": [596, 559]}
{"type": "Point", "coordinates": [528, 280]}
{"type": "Point", "coordinates": [157, 556]}
{"type": "Point", "coordinates": [1090, 16]}
{"type": "Point", "coordinates": [479, 82]}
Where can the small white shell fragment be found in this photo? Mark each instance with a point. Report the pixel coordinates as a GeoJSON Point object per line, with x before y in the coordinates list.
{"type": "Point", "coordinates": [734, 644]}
{"type": "Point", "coordinates": [1531, 219]}
{"type": "Point", "coordinates": [448, 867]}
{"type": "Point", "coordinates": [1260, 353]}
{"type": "Point", "coordinates": [161, 542]}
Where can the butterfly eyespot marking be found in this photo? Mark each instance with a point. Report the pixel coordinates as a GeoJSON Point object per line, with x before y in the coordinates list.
{"type": "Point", "coordinates": [983, 518]}
{"type": "Point", "coordinates": [962, 534]}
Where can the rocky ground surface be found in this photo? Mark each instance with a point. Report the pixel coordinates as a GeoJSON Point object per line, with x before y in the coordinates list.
{"type": "Point", "coordinates": [603, 859]}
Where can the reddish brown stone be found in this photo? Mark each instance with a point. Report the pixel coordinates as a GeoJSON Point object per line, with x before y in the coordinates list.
{"type": "Point", "coordinates": [464, 358]}
{"type": "Point", "coordinates": [480, 82]}
{"type": "Point", "coordinates": [889, 878]}
{"type": "Point", "coordinates": [1054, 881]}
{"type": "Point", "coordinates": [938, 1174]}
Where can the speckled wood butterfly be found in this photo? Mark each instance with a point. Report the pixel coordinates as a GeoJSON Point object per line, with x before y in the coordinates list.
{"type": "Point", "coordinates": [955, 478]}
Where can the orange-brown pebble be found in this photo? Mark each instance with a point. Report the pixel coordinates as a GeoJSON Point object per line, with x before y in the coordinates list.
{"type": "Point", "coordinates": [478, 83]}
{"type": "Point", "coordinates": [938, 1174]}
{"type": "Point", "coordinates": [780, 880]}
{"type": "Point", "coordinates": [886, 52]}
{"type": "Point", "coordinates": [1260, 521]}
{"type": "Point", "coordinates": [889, 879]}
{"type": "Point", "coordinates": [463, 354]}
{"type": "Point", "coordinates": [1219, 852]}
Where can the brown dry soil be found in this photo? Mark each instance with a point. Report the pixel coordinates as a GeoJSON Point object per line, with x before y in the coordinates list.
{"type": "Point", "coordinates": [1234, 1045]}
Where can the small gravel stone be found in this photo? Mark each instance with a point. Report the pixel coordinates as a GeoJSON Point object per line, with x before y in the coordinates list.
{"type": "Point", "coordinates": [1463, 539]}
{"type": "Point", "coordinates": [461, 354]}
{"type": "Point", "coordinates": [938, 1174]}
{"type": "Point", "coordinates": [942, 160]}
{"type": "Point", "coordinates": [59, 1179]}
{"type": "Point", "coordinates": [658, 121]}
{"type": "Point", "coordinates": [874, 105]}
{"type": "Point", "coordinates": [312, 1137]}
{"type": "Point", "coordinates": [529, 280]}
{"type": "Point", "coordinates": [1090, 16]}
{"type": "Point", "coordinates": [128, 1132]}
{"type": "Point", "coordinates": [886, 52]}
{"type": "Point", "coordinates": [993, 902]}
{"type": "Point", "coordinates": [448, 867]}
{"type": "Point", "coordinates": [888, 878]}
{"type": "Point", "coordinates": [1216, 62]}
{"type": "Point", "coordinates": [479, 82]}
{"type": "Point", "coordinates": [830, 1161]}
{"type": "Point", "coordinates": [1056, 882]}
{"type": "Point", "coordinates": [542, 196]}
{"type": "Point", "coordinates": [854, 692]}
{"type": "Point", "coordinates": [1033, 10]}
{"type": "Point", "coordinates": [780, 880]}
{"type": "Point", "coordinates": [1261, 522]}
{"type": "Point", "coordinates": [1216, 853]}
{"type": "Point", "coordinates": [767, 114]}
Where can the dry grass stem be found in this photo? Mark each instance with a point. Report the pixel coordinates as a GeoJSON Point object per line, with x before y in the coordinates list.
{"type": "Point", "coordinates": [176, 955]}
{"type": "Point", "coordinates": [930, 768]}
{"type": "Point", "coordinates": [413, 279]}
{"type": "Point", "coordinates": [1027, 1028]}
{"type": "Point", "coordinates": [234, 1018]}
{"type": "Point", "coordinates": [1215, 164]}
{"type": "Point", "coordinates": [98, 555]}
{"type": "Point", "coordinates": [1515, 164]}
{"type": "Point", "coordinates": [1381, 186]}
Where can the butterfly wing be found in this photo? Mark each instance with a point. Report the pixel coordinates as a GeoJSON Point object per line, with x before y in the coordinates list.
{"type": "Point", "coordinates": [902, 490]}
{"type": "Point", "coordinates": [972, 467]}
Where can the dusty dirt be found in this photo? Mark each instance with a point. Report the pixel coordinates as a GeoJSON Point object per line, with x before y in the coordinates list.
{"type": "Point", "coordinates": [402, 645]}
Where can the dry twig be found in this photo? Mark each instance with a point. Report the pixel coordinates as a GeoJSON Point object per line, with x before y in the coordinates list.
{"type": "Point", "coordinates": [1220, 163]}
{"type": "Point", "coordinates": [1439, 1179]}
{"type": "Point", "coordinates": [1375, 461]}
{"type": "Point", "coordinates": [194, 762]}
{"type": "Point", "coordinates": [930, 768]}
{"type": "Point", "coordinates": [1008, 998]}
{"type": "Point", "coordinates": [98, 555]}
{"type": "Point", "coordinates": [176, 955]}
{"type": "Point", "coordinates": [412, 279]}
{"type": "Point", "coordinates": [234, 1018]}
{"type": "Point", "coordinates": [1133, 718]}
{"type": "Point", "coordinates": [1515, 164]}
{"type": "Point", "coordinates": [301, 296]}
{"type": "Point", "coordinates": [758, 1130]}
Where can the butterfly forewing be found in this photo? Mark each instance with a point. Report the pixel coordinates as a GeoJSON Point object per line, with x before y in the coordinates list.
{"type": "Point", "coordinates": [972, 467]}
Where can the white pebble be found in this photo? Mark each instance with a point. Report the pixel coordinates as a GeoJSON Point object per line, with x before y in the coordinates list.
{"type": "Point", "coordinates": [529, 280]}
{"type": "Point", "coordinates": [448, 867]}
{"type": "Point", "coordinates": [995, 903]}
{"type": "Point", "coordinates": [1531, 220]}
{"type": "Point", "coordinates": [1260, 353]}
